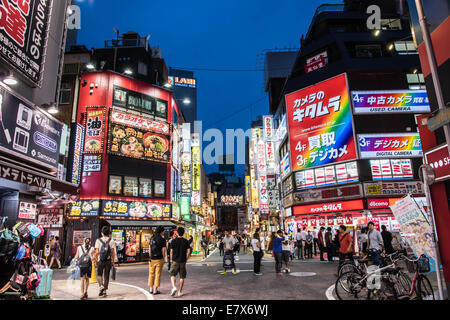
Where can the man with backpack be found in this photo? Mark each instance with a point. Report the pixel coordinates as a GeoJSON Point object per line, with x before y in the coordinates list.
{"type": "Point", "coordinates": [157, 252]}
{"type": "Point", "coordinates": [105, 251]}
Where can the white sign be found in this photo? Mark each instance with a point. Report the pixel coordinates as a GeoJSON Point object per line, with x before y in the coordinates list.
{"type": "Point", "coordinates": [27, 210]}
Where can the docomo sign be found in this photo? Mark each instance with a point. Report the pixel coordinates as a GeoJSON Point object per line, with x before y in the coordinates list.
{"type": "Point", "coordinates": [439, 160]}
{"type": "Point", "coordinates": [268, 127]}
{"type": "Point", "coordinates": [320, 124]}
{"type": "Point", "coordinates": [139, 122]}
{"type": "Point", "coordinates": [329, 207]}
{"type": "Point", "coordinates": [381, 203]}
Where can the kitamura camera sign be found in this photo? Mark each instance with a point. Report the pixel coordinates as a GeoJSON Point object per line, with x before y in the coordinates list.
{"type": "Point", "coordinates": [27, 132]}
{"type": "Point", "coordinates": [24, 26]}
{"type": "Point", "coordinates": [320, 124]}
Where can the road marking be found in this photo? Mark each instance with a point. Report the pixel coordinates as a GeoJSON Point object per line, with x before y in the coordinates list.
{"type": "Point", "coordinates": [238, 271]}
{"type": "Point", "coordinates": [302, 274]}
{"type": "Point", "coordinates": [145, 292]}
{"type": "Point", "coordinates": [210, 254]}
{"type": "Point", "coordinates": [329, 293]}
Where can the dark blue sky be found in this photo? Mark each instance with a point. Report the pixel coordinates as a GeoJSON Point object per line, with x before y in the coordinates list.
{"type": "Point", "coordinates": [208, 34]}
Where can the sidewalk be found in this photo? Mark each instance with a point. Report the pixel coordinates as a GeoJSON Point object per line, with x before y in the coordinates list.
{"type": "Point", "coordinates": [70, 290]}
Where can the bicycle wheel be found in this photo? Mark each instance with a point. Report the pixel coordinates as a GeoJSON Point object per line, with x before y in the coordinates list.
{"type": "Point", "coordinates": [349, 286]}
{"type": "Point", "coordinates": [348, 267]}
{"type": "Point", "coordinates": [404, 283]}
{"type": "Point", "coordinates": [425, 290]}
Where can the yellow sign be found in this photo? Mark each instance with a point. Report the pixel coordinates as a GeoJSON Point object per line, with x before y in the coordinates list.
{"type": "Point", "coordinates": [373, 189]}
{"type": "Point", "coordinates": [196, 178]}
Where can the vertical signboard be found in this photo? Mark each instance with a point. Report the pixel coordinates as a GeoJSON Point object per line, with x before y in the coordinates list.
{"type": "Point", "coordinates": [76, 146]}
{"type": "Point", "coordinates": [196, 181]}
{"type": "Point", "coordinates": [320, 124]}
{"type": "Point", "coordinates": [95, 129]}
{"type": "Point", "coordinates": [268, 127]}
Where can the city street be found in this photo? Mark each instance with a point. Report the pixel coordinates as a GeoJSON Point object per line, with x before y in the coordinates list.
{"type": "Point", "coordinates": [204, 282]}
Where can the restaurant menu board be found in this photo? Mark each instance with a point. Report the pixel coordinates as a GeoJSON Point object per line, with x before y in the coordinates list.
{"type": "Point", "coordinates": [416, 228]}
{"type": "Point", "coordinates": [95, 127]}
{"type": "Point", "coordinates": [84, 208]}
{"type": "Point", "coordinates": [390, 145]}
{"type": "Point", "coordinates": [324, 176]}
{"type": "Point", "coordinates": [391, 169]}
{"type": "Point", "coordinates": [92, 163]}
{"type": "Point", "coordinates": [27, 210]}
{"type": "Point", "coordinates": [140, 144]}
{"type": "Point", "coordinates": [320, 124]}
{"type": "Point", "coordinates": [24, 27]}
{"type": "Point", "coordinates": [27, 132]}
{"type": "Point", "coordinates": [136, 209]}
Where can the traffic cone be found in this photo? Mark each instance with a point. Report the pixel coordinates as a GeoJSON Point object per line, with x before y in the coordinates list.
{"type": "Point", "coordinates": [93, 278]}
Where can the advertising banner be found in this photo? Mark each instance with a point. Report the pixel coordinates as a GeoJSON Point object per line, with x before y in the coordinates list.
{"type": "Point", "coordinates": [415, 228]}
{"type": "Point", "coordinates": [196, 174]}
{"type": "Point", "coordinates": [268, 127]}
{"type": "Point", "coordinates": [76, 144]}
{"type": "Point", "coordinates": [285, 166]}
{"type": "Point", "coordinates": [329, 207]}
{"type": "Point", "coordinates": [337, 193]}
{"type": "Point", "coordinates": [27, 210]}
{"type": "Point", "coordinates": [196, 199]}
{"type": "Point", "coordinates": [28, 133]}
{"type": "Point", "coordinates": [231, 200]}
{"type": "Point", "coordinates": [95, 128]}
{"type": "Point", "coordinates": [318, 61]}
{"type": "Point", "coordinates": [324, 176]}
{"type": "Point", "coordinates": [136, 209]}
{"type": "Point", "coordinates": [186, 173]}
{"type": "Point", "coordinates": [185, 212]}
{"type": "Point", "coordinates": [139, 122]}
{"type": "Point", "coordinates": [247, 189]}
{"type": "Point", "coordinates": [393, 188]}
{"type": "Point", "coordinates": [390, 145]}
{"type": "Point", "coordinates": [24, 27]}
{"type": "Point", "coordinates": [92, 163]}
{"type": "Point", "coordinates": [140, 144]}
{"type": "Point", "coordinates": [392, 101]}
{"type": "Point", "coordinates": [84, 208]}
{"type": "Point", "coordinates": [439, 160]}
{"type": "Point", "coordinates": [320, 124]}
{"type": "Point", "coordinates": [391, 169]}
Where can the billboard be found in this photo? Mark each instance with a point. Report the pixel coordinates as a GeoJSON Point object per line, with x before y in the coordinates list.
{"type": "Point", "coordinates": [95, 128]}
{"type": "Point", "coordinates": [28, 133]}
{"type": "Point", "coordinates": [136, 209]}
{"type": "Point", "coordinates": [268, 127]}
{"type": "Point", "coordinates": [76, 146]}
{"type": "Point", "coordinates": [392, 101]}
{"type": "Point", "coordinates": [24, 27]}
{"type": "Point", "coordinates": [390, 145]}
{"type": "Point", "coordinates": [439, 159]}
{"type": "Point", "coordinates": [320, 124]}
{"type": "Point", "coordinates": [329, 207]}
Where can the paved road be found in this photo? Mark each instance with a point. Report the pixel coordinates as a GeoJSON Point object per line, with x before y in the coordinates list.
{"type": "Point", "coordinates": [204, 282]}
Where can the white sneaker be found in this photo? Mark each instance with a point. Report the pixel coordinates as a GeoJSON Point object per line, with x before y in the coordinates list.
{"type": "Point", "coordinates": [180, 293]}
{"type": "Point", "coordinates": [174, 290]}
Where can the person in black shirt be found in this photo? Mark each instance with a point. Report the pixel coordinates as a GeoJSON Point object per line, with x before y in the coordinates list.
{"type": "Point", "coordinates": [387, 240]}
{"type": "Point", "coordinates": [157, 252]}
{"type": "Point", "coordinates": [180, 251]}
{"type": "Point", "coordinates": [169, 241]}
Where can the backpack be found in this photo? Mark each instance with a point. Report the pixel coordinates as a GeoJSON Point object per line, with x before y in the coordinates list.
{"type": "Point", "coordinates": [85, 259]}
{"type": "Point", "coordinates": [105, 251]}
{"type": "Point", "coordinates": [154, 247]}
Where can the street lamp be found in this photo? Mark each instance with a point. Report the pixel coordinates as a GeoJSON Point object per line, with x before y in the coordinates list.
{"type": "Point", "coordinates": [90, 66]}
{"type": "Point", "coordinates": [186, 101]}
{"type": "Point", "coordinates": [167, 85]}
{"type": "Point", "coordinates": [376, 32]}
{"type": "Point", "coordinates": [128, 71]}
{"type": "Point", "coordinates": [10, 80]}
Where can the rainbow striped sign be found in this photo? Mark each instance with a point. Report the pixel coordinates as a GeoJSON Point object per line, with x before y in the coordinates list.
{"type": "Point", "coordinates": [393, 101]}
{"type": "Point", "coordinates": [390, 145]}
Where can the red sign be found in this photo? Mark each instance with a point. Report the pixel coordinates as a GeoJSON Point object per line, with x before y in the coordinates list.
{"type": "Point", "coordinates": [377, 203]}
{"type": "Point", "coordinates": [268, 127]}
{"type": "Point", "coordinates": [320, 124]}
{"type": "Point", "coordinates": [375, 221]}
{"type": "Point", "coordinates": [439, 160]}
{"type": "Point", "coordinates": [95, 127]}
{"type": "Point", "coordinates": [330, 220]}
{"type": "Point", "coordinates": [329, 207]}
{"type": "Point", "coordinates": [139, 122]}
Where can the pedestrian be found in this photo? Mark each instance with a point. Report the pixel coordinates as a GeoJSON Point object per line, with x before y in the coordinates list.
{"type": "Point", "coordinates": [169, 242]}
{"type": "Point", "coordinates": [263, 244]}
{"type": "Point", "coordinates": [204, 244]}
{"type": "Point", "coordinates": [278, 251]}
{"type": "Point", "coordinates": [84, 255]}
{"type": "Point", "coordinates": [304, 233]}
{"type": "Point", "coordinates": [299, 245]}
{"type": "Point", "coordinates": [336, 244]}
{"type": "Point", "coordinates": [286, 248]}
{"type": "Point", "coordinates": [315, 239]}
{"type": "Point", "coordinates": [270, 242]}
{"type": "Point", "coordinates": [346, 245]}
{"type": "Point", "coordinates": [292, 247]}
{"type": "Point", "coordinates": [221, 252]}
{"type": "Point", "coordinates": [191, 242]}
{"type": "Point", "coordinates": [228, 258]}
{"type": "Point", "coordinates": [257, 254]}
{"type": "Point", "coordinates": [157, 252]}
{"type": "Point", "coordinates": [244, 243]}
{"type": "Point", "coordinates": [329, 244]}
{"type": "Point", "coordinates": [387, 240]}
{"type": "Point", "coordinates": [55, 252]}
{"type": "Point", "coordinates": [374, 244]}
{"type": "Point", "coordinates": [362, 240]}
{"type": "Point", "coordinates": [321, 242]}
{"type": "Point", "coordinates": [237, 245]}
{"type": "Point", "coordinates": [309, 245]}
{"type": "Point", "coordinates": [180, 251]}
{"type": "Point", "coordinates": [105, 254]}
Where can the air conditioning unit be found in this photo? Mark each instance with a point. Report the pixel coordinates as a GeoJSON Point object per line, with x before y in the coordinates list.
{"type": "Point", "coordinates": [156, 52]}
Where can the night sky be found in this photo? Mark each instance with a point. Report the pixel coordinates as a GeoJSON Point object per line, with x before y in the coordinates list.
{"type": "Point", "coordinates": [208, 35]}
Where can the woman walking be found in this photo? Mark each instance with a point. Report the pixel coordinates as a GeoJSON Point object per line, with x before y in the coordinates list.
{"type": "Point", "coordinates": [84, 256]}
{"type": "Point", "coordinates": [257, 254]}
{"type": "Point", "coordinates": [56, 252]}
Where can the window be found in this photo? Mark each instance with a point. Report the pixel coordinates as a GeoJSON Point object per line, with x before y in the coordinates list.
{"type": "Point", "coordinates": [115, 185]}
{"type": "Point", "coordinates": [161, 109]}
{"type": "Point", "coordinates": [65, 93]}
{"type": "Point", "coordinates": [368, 51]}
{"type": "Point", "coordinates": [130, 187]}
{"type": "Point", "coordinates": [160, 188]}
{"type": "Point", "coordinates": [145, 188]}
{"type": "Point", "coordinates": [391, 24]}
{"type": "Point", "coordinates": [415, 81]}
{"type": "Point", "coordinates": [405, 47]}
{"type": "Point", "coordinates": [142, 68]}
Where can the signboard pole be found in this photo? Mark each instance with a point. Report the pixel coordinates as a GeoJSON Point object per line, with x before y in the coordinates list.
{"type": "Point", "coordinates": [433, 227]}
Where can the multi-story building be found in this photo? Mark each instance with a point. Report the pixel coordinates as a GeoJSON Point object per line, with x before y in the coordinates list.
{"type": "Point", "coordinates": [350, 104]}
{"type": "Point", "coordinates": [184, 86]}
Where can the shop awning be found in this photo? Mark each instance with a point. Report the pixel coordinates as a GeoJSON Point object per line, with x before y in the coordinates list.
{"type": "Point", "coordinates": [140, 224]}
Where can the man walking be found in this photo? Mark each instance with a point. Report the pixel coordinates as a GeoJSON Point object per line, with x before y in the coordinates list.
{"type": "Point", "coordinates": [321, 242]}
{"type": "Point", "coordinates": [286, 247]}
{"type": "Point", "coordinates": [304, 234]}
{"type": "Point", "coordinates": [375, 244]}
{"type": "Point", "coordinates": [105, 254]}
{"type": "Point", "coordinates": [329, 244]}
{"type": "Point", "coordinates": [387, 240]}
{"type": "Point", "coordinates": [180, 251]}
{"type": "Point", "coordinates": [228, 257]}
{"type": "Point", "coordinates": [157, 252]}
{"type": "Point", "coordinates": [278, 251]}
{"type": "Point", "coordinates": [346, 244]}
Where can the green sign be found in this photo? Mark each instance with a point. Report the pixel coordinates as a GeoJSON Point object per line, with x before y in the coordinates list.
{"type": "Point", "coordinates": [439, 120]}
{"type": "Point", "coordinates": [185, 208]}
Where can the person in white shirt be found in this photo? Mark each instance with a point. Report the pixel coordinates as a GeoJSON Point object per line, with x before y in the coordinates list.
{"type": "Point", "coordinates": [105, 250]}
{"type": "Point", "coordinates": [257, 254]}
{"type": "Point", "coordinates": [304, 234]}
{"type": "Point", "coordinates": [228, 258]}
{"type": "Point", "coordinates": [85, 252]}
{"type": "Point", "coordinates": [286, 248]}
{"type": "Point", "coordinates": [315, 240]}
{"type": "Point", "coordinates": [299, 244]}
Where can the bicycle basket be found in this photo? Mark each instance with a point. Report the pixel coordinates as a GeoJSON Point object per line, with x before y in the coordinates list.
{"type": "Point", "coordinates": [423, 264]}
{"type": "Point", "coordinates": [410, 266]}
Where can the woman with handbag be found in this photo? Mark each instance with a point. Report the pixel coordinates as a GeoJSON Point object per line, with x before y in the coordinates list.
{"type": "Point", "coordinates": [84, 256]}
{"type": "Point", "coordinates": [56, 252]}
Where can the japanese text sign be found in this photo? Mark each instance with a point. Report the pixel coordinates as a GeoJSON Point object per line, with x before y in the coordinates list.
{"type": "Point", "coordinates": [329, 207]}
{"type": "Point", "coordinates": [439, 160]}
{"type": "Point", "coordinates": [139, 122]}
{"type": "Point", "coordinates": [320, 124]}
{"type": "Point", "coordinates": [95, 127]}
{"type": "Point", "coordinates": [268, 127]}
{"type": "Point", "coordinates": [390, 145]}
